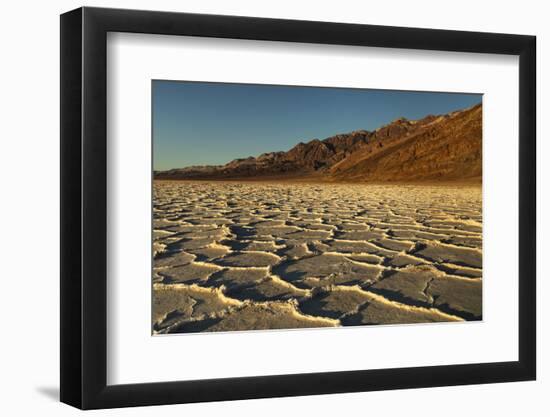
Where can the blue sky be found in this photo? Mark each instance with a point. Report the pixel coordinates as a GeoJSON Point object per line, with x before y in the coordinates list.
{"type": "Point", "coordinates": [196, 123]}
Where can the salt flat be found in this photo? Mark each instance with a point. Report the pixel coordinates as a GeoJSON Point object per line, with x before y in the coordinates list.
{"type": "Point", "coordinates": [260, 255]}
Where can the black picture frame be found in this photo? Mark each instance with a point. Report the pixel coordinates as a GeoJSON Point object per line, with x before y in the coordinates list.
{"type": "Point", "coordinates": [84, 207]}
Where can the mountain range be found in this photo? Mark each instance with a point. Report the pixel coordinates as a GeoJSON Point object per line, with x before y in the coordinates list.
{"type": "Point", "coordinates": [444, 147]}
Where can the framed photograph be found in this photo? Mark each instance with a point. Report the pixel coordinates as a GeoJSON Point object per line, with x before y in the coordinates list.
{"type": "Point", "coordinates": [258, 208]}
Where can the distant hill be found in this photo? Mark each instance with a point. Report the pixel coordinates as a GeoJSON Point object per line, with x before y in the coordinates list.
{"type": "Point", "coordinates": [436, 148]}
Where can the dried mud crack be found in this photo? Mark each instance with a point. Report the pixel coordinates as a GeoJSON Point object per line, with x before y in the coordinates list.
{"type": "Point", "coordinates": [247, 256]}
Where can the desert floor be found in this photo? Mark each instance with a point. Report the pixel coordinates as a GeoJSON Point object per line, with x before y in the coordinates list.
{"type": "Point", "coordinates": [244, 256]}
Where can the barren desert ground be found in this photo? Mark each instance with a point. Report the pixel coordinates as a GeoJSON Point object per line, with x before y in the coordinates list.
{"type": "Point", "coordinates": [259, 255]}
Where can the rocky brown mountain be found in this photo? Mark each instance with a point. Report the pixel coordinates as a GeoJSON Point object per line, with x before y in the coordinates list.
{"type": "Point", "coordinates": [436, 148]}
